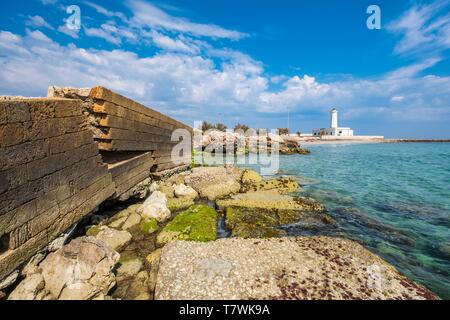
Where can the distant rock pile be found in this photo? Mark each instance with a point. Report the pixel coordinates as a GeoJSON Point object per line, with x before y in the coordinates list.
{"type": "Point", "coordinates": [215, 141]}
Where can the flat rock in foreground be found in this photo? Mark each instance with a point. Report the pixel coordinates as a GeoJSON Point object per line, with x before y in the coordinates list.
{"type": "Point", "coordinates": [284, 268]}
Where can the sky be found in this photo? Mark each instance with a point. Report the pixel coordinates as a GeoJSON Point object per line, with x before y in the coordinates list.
{"type": "Point", "coordinates": [267, 64]}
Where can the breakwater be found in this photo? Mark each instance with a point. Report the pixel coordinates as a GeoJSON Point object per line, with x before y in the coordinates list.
{"type": "Point", "coordinates": [64, 155]}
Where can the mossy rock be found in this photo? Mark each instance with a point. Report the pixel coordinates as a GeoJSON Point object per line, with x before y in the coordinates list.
{"type": "Point", "coordinates": [263, 223]}
{"type": "Point", "coordinates": [251, 176]}
{"type": "Point", "coordinates": [252, 223]}
{"type": "Point", "coordinates": [270, 200]}
{"type": "Point", "coordinates": [177, 204]}
{"type": "Point", "coordinates": [93, 231]}
{"type": "Point", "coordinates": [149, 226]}
{"type": "Point", "coordinates": [282, 185]}
{"type": "Point", "coordinates": [167, 190]}
{"type": "Point", "coordinates": [198, 223]}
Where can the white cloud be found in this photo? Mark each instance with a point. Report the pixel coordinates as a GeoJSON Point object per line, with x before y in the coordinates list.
{"type": "Point", "coordinates": [423, 28]}
{"type": "Point", "coordinates": [107, 32]}
{"type": "Point", "coordinates": [146, 14]}
{"type": "Point", "coordinates": [397, 98]}
{"type": "Point", "coordinates": [49, 2]}
{"type": "Point", "coordinates": [106, 12]}
{"type": "Point", "coordinates": [38, 22]}
{"type": "Point", "coordinates": [69, 32]}
{"type": "Point", "coordinates": [180, 44]}
{"type": "Point", "coordinates": [194, 87]}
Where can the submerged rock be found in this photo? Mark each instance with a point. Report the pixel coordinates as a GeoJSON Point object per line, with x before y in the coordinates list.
{"type": "Point", "coordinates": [198, 223]}
{"type": "Point", "coordinates": [252, 223]}
{"type": "Point", "coordinates": [282, 268]}
{"type": "Point", "coordinates": [265, 223]}
{"type": "Point", "coordinates": [215, 182]}
{"type": "Point", "coordinates": [155, 207]}
{"type": "Point", "coordinates": [81, 270]}
{"type": "Point", "coordinates": [444, 248]}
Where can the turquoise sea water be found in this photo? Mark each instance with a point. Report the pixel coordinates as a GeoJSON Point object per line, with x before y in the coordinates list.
{"type": "Point", "coordinates": [392, 198]}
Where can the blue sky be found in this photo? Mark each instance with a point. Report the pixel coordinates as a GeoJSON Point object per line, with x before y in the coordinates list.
{"type": "Point", "coordinates": [244, 61]}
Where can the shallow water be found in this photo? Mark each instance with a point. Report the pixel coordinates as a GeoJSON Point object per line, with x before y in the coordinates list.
{"type": "Point", "coordinates": [392, 198]}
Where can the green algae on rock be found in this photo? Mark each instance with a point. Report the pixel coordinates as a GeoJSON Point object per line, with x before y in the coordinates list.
{"type": "Point", "coordinates": [177, 204]}
{"type": "Point", "coordinates": [248, 222]}
{"type": "Point", "coordinates": [149, 226]}
{"type": "Point", "coordinates": [252, 223]}
{"type": "Point", "coordinates": [198, 223]}
{"type": "Point", "coordinates": [282, 185]}
{"type": "Point", "coordinates": [270, 200]}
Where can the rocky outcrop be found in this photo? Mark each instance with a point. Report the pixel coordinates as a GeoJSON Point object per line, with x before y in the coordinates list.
{"type": "Point", "coordinates": [198, 223]}
{"type": "Point", "coordinates": [215, 141]}
{"type": "Point", "coordinates": [286, 268]}
{"type": "Point", "coordinates": [215, 182]}
{"type": "Point", "coordinates": [81, 270]}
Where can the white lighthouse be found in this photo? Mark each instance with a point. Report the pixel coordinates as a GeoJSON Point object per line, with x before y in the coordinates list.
{"type": "Point", "coordinates": [334, 129]}
{"type": "Point", "coordinates": [334, 118]}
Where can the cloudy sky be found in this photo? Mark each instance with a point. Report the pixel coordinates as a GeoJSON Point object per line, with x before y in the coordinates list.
{"type": "Point", "coordinates": [243, 61]}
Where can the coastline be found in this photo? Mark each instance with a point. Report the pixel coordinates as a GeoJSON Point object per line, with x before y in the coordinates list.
{"type": "Point", "coordinates": [342, 141]}
{"type": "Point", "coordinates": [169, 247]}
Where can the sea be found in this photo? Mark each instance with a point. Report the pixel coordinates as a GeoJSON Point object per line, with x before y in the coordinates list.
{"type": "Point", "coordinates": [393, 198]}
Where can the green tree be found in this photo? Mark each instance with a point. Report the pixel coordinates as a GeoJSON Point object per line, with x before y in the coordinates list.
{"type": "Point", "coordinates": [242, 127]}
{"type": "Point", "coordinates": [207, 126]}
{"type": "Point", "coordinates": [221, 127]}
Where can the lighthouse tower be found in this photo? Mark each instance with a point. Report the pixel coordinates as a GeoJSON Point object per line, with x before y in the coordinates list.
{"type": "Point", "coordinates": [334, 129]}
{"type": "Point", "coordinates": [334, 118]}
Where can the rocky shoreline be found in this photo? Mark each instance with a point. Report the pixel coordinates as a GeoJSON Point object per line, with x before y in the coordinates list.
{"type": "Point", "coordinates": [171, 246]}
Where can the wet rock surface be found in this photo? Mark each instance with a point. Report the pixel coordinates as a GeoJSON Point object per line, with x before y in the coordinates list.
{"type": "Point", "coordinates": [284, 268]}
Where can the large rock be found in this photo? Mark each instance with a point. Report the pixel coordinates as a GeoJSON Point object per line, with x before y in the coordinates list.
{"type": "Point", "coordinates": [281, 185]}
{"type": "Point", "coordinates": [215, 182]}
{"type": "Point", "coordinates": [116, 239]}
{"type": "Point", "coordinates": [181, 190]}
{"type": "Point", "coordinates": [285, 268]}
{"type": "Point", "coordinates": [81, 270]}
{"type": "Point", "coordinates": [271, 200]}
{"type": "Point", "coordinates": [198, 223]}
{"type": "Point", "coordinates": [155, 207]}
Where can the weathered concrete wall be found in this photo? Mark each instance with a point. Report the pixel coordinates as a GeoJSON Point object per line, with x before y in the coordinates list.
{"type": "Point", "coordinates": [63, 156]}
{"type": "Point", "coordinates": [51, 175]}
{"type": "Point", "coordinates": [121, 125]}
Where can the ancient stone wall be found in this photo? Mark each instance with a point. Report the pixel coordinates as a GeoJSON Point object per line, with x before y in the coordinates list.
{"type": "Point", "coordinates": [133, 138]}
{"type": "Point", "coordinates": [51, 175]}
{"type": "Point", "coordinates": [63, 156]}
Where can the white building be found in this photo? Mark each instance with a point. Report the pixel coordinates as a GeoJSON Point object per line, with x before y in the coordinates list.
{"type": "Point", "coordinates": [334, 129]}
